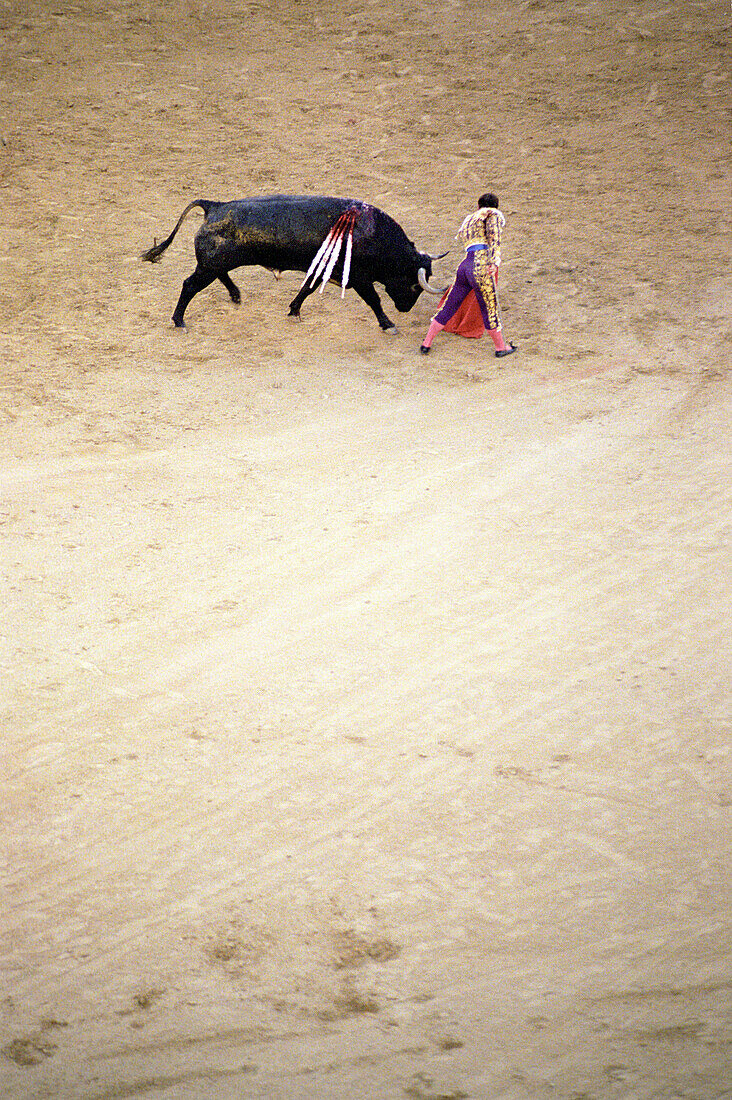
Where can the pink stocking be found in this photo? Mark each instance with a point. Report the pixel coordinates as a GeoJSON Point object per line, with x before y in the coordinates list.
{"type": "Point", "coordinates": [432, 331]}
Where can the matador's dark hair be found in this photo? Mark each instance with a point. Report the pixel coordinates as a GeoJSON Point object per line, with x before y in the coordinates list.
{"type": "Point", "coordinates": [488, 199]}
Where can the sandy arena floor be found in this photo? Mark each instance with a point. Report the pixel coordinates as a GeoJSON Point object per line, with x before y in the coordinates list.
{"type": "Point", "coordinates": [365, 730]}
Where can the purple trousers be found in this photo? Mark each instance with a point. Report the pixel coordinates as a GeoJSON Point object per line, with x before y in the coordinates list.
{"type": "Point", "coordinates": [473, 274]}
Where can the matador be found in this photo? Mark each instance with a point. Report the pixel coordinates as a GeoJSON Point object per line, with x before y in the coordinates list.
{"type": "Point", "coordinates": [480, 234]}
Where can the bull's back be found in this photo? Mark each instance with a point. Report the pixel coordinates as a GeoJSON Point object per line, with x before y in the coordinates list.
{"type": "Point", "coordinates": [275, 230]}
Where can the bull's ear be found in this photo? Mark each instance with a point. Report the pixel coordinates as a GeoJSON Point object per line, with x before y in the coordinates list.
{"type": "Point", "coordinates": [429, 256]}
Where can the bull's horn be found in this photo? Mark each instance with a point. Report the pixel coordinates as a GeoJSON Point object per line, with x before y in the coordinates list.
{"type": "Point", "coordinates": [441, 255]}
{"type": "Point", "coordinates": [422, 278]}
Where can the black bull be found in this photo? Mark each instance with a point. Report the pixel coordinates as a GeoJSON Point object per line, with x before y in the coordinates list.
{"type": "Point", "coordinates": [284, 233]}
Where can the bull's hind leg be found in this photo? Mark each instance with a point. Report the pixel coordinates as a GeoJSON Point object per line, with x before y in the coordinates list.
{"type": "Point", "coordinates": [199, 280]}
{"type": "Point", "coordinates": [232, 288]}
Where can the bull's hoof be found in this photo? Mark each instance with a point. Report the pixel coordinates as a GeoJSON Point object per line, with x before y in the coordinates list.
{"type": "Point", "coordinates": [179, 324]}
{"type": "Point", "coordinates": [390, 330]}
{"type": "Point", "coordinates": [293, 315]}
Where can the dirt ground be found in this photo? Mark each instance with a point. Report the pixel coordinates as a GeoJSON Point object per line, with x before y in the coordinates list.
{"type": "Point", "coordinates": [365, 729]}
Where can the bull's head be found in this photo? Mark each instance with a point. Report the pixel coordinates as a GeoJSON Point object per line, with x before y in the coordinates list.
{"type": "Point", "coordinates": [404, 291]}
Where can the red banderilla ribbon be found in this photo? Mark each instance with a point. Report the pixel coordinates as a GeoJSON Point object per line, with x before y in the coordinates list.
{"type": "Point", "coordinates": [327, 255]}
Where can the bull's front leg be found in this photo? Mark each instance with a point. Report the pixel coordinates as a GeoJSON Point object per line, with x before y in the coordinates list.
{"type": "Point", "coordinates": [303, 293]}
{"type": "Point", "coordinates": [367, 291]}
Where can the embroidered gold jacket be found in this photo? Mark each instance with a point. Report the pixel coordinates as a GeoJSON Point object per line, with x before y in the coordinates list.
{"type": "Point", "coordinates": [483, 227]}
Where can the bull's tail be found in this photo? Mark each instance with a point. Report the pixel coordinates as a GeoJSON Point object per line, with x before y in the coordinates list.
{"type": "Point", "coordinates": [153, 254]}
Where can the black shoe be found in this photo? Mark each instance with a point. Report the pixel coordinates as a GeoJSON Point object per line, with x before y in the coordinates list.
{"type": "Point", "coordinates": [506, 351]}
{"type": "Point", "coordinates": [424, 349]}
